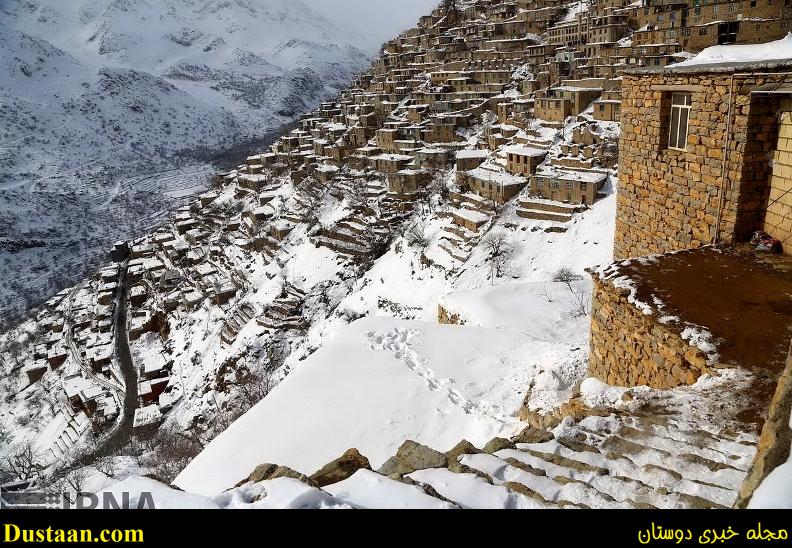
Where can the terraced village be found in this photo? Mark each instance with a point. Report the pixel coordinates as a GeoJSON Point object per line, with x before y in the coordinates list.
{"type": "Point", "coordinates": [404, 280]}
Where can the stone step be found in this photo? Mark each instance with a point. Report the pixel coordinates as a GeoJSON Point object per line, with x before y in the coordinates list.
{"type": "Point", "coordinates": [550, 206]}
{"type": "Point", "coordinates": [539, 215]}
{"type": "Point", "coordinates": [557, 486]}
{"type": "Point", "coordinates": [622, 489]}
{"type": "Point", "coordinates": [706, 456]}
{"type": "Point", "coordinates": [472, 491]}
{"type": "Point", "coordinates": [696, 436]}
{"type": "Point", "coordinates": [342, 247]}
{"type": "Point", "coordinates": [656, 477]}
{"type": "Point", "coordinates": [454, 252]}
{"type": "Point", "coordinates": [643, 454]}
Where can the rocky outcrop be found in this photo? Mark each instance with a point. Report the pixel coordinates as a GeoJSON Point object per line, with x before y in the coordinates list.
{"type": "Point", "coordinates": [531, 434]}
{"type": "Point", "coordinates": [341, 468]}
{"type": "Point", "coordinates": [268, 471]}
{"type": "Point", "coordinates": [412, 456]}
{"type": "Point", "coordinates": [496, 444]}
{"type": "Point", "coordinates": [464, 447]}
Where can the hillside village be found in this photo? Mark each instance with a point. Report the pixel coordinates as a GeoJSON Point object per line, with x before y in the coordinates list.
{"type": "Point", "coordinates": [462, 191]}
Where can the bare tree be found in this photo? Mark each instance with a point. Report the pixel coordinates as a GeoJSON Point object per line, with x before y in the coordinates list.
{"type": "Point", "coordinates": [254, 385]}
{"type": "Point", "coordinates": [416, 235]}
{"type": "Point", "coordinates": [356, 196]}
{"type": "Point", "coordinates": [14, 349]}
{"type": "Point", "coordinates": [172, 450]}
{"type": "Point", "coordinates": [106, 465]}
{"type": "Point", "coordinates": [75, 479]}
{"type": "Point", "coordinates": [499, 253]}
{"type": "Point", "coordinates": [450, 8]}
{"type": "Point", "coordinates": [24, 463]}
{"type": "Point", "coordinates": [580, 297]}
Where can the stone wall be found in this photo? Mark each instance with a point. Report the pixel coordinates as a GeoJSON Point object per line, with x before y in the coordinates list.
{"type": "Point", "coordinates": [778, 218]}
{"type": "Point", "coordinates": [776, 438]}
{"type": "Point", "coordinates": [669, 199]}
{"type": "Point", "coordinates": [630, 348]}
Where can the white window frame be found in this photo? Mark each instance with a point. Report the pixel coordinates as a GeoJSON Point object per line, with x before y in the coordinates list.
{"type": "Point", "coordinates": [679, 108]}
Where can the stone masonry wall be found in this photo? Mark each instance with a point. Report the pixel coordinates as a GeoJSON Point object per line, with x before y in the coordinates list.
{"type": "Point", "coordinates": [668, 199]}
{"type": "Point", "coordinates": [630, 348]}
{"type": "Point", "coordinates": [774, 442]}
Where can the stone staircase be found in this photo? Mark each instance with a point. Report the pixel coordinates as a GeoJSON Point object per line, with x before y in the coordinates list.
{"type": "Point", "coordinates": [297, 211]}
{"type": "Point", "coordinates": [458, 240]}
{"type": "Point", "coordinates": [285, 312]}
{"type": "Point", "coordinates": [70, 428]}
{"type": "Point", "coordinates": [539, 209]}
{"type": "Point", "coordinates": [243, 314]}
{"type": "Point", "coordinates": [375, 190]}
{"type": "Point", "coordinates": [354, 236]}
{"type": "Point", "coordinates": [613, 461]}
{"type": "Point", "coordinates": [268, 245]}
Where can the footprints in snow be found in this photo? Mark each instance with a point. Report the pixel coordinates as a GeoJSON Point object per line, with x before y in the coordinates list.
{"type": "Point", "coordinates": [397, 341]}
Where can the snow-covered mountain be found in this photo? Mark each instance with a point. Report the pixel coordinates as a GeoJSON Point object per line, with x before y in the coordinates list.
{"type": "Point", "coordinates": [99, 97]}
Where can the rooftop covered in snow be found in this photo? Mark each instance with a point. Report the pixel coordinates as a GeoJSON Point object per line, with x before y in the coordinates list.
{"type": "Point", "coordinates": [730, 58]}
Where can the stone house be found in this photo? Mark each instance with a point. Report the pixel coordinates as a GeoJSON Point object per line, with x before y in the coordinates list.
{"type": "Point", "coordinates": [469, 219]}
{"type": "Point", "coordinates": [606, 28]}
{"type": "Point", "coordinates": [389, 163]}
{"type": "Point", "coordinates": [386, 138]}
{"type": "Point", "coordinates": [470, 159]}
{"type": "Point", "coordinates": [522, 160]}
{"type": "Point", "coordinates": [568, 33]}
{"type": "Point", "coordinates": [497, 186]}
{"type": "Point", "coordinates": [608, 107]}
{"type": "Point", "coordinates": [431, 158]}
{"type": "Point", "coordinates": [561, 101]}
{"type": "Point", "coordinates": [439, 132]}
{"type": "Point", "coordinates": [407, 181]}
{"type": "Point", "coordinates": [569, 186]}
{"type": "Point", "coordinates": [704, 156]}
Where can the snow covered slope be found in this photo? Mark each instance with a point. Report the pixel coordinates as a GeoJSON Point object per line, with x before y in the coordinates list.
{"type": "Point", "coordinates": [379, 382]}
{"type": "Point", "coordinates": [99, 99]}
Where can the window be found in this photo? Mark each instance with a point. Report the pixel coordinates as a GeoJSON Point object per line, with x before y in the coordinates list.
{"type": "Point", "coordinates": [555, 185]}
{"type": "Point", "coordinates": [703, 31]}
{"type": "Point", "coordinates": [680, 115]}
{"type": "Point", "coordinates": [727, 32]}
{"type": "Point", "coordinates": [570, 185]}
{"type": "Point", "coordinates": [753, 3]}
{"type": "Point", "coordinates": [715, 9]}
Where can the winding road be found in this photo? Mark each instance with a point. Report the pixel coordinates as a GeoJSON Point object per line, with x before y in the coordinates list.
{"type": "Point", "coordinates": [123, 431]}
